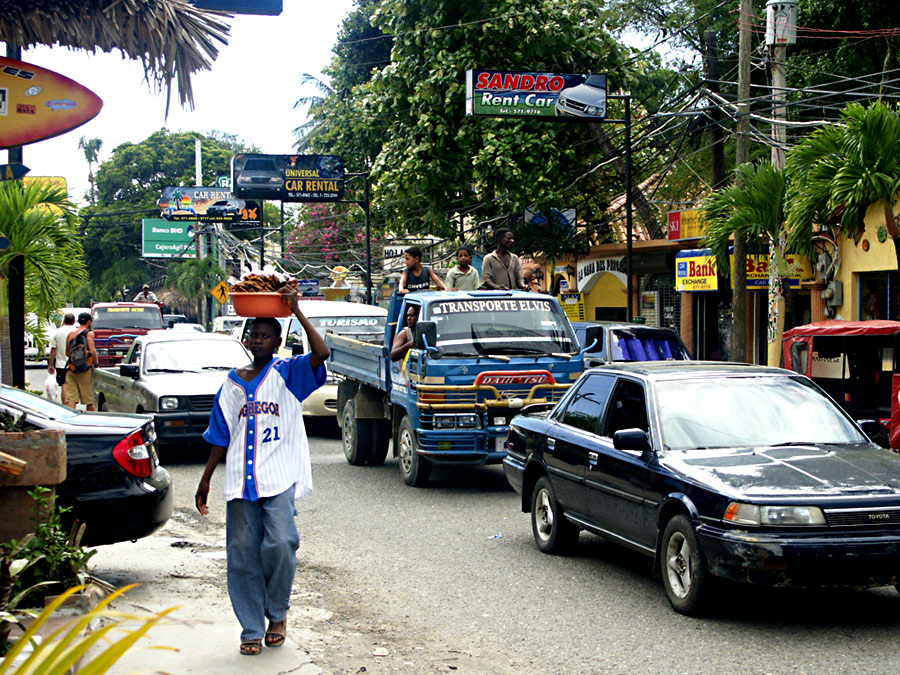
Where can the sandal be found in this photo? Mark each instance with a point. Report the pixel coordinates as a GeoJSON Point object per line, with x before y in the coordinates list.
{"type": "Point", "coordinates": [251, 647]}
{"type": "Point", "coordinates": [275, 638]}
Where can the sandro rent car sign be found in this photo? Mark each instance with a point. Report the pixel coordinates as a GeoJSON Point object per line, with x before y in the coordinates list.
{"type": "Point", "coordinates": [504, 93]}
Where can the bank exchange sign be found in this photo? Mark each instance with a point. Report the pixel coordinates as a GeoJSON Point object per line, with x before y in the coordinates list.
{"type": "Point", "coordinates": [503, 93]}
{"type": "Point", "coordinates": [165, 239]}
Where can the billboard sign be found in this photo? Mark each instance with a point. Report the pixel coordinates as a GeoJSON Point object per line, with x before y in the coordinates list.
{"type": "Point", "coordinates": [506, 93]}
{"type": "Point", "coordinates": [164, 239]}
{"type": "Point", "coordinates": [288, 178]}
{"type": "Point", "coordinates": [685, 225]}
{"type": "Point", "coordinates": [206, 205]}
{"type": "Point", "coordinates": [36, 103]}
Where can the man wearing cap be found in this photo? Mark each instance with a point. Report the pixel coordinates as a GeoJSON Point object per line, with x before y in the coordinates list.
{"type": "Point", "coordinates": [146, 295]}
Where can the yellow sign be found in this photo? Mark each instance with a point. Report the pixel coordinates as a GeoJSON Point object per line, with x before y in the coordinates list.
{"type": "Point", "coordinates": [695, 271]}
{"type": "Point", "coordinates": [685, 224]}
{"type": "Point", "coordinates": [220, 292]}
{"type": "Point", "coordinates": [798, 268]}
{"type": "Point", "coordinates": [572, 305]}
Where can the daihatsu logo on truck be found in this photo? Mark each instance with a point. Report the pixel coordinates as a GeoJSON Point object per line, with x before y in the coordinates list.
{"type": "Point", "coordinates": [530, 377]}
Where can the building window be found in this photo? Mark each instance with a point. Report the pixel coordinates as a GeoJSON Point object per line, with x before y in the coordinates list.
{"type": "Point", "coordinates": [877, 296]}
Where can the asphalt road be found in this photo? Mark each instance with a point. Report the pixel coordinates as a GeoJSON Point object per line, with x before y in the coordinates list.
{"type": "Point", "coordinates": [448, 577]}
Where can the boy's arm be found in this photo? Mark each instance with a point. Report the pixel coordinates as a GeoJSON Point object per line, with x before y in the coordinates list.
{"type": "Point", "coordinates": [319, 351]}
{"type": "Point", "coordinates": [437, 280]}
{"type": "Point", "coordinates": [51, 360]}
{"type": "Point", "coordinates": [402, 289]}
{"type": "Point", "coordinates": [215, 456]}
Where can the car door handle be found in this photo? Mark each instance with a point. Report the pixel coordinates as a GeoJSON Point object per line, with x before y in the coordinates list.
{"type": "Point", "coordinates": [551, 443]}
{"type": "Point", "coordinates": [593, 461]}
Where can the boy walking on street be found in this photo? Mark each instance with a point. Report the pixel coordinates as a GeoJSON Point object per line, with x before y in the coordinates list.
{"type": "Point", "coordinates": [463, 277]}
{"type": "Point", "coordinates": [82, 353]}
{"type": "Point", "coordinates": [257, 425]}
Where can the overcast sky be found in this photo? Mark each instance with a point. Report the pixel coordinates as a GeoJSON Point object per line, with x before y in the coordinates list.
{"type": "Point", "coordinates": [250, 90]}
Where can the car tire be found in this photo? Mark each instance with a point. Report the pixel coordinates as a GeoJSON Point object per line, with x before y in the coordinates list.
{"type": "Point", "coordinates": [355, 436]}
{"type": "Point", "coordinates": [414, 469]}
{"type": "Point", "coordinates": [381, 441]}
{"type": "Point", "coordinates": [684, 570]}
{"type": "Point", "coordinates": [553, 533]}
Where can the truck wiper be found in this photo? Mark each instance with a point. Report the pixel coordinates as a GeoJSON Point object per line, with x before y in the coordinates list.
{"type": "Point", "coordinates": [170, 370]}
{"type": "Point", "coordinates": [216, 367]}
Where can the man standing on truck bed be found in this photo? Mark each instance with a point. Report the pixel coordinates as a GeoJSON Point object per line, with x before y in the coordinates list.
{"type": "Point", "coordinates": [146, 295]}
{"type": "Point", "coordinates": [501, 269]}
{"type": "Point", "coordinates": [257, 425]}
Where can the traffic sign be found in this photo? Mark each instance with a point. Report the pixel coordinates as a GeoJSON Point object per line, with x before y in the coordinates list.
{"type": "Point", "coordinates": [220, 292]}
{"type": "Point", "coordinates": [13, 171]}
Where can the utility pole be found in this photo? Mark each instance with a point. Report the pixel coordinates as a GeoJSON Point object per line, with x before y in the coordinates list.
{"type": "Point", "coordinates": [16, 303]}
{"type": "Point", "coordinates": [781, 30]}
{"type": "Point", "coordinates": [715, 112]}
{"type": "Point", "coordinates": [742, 155]}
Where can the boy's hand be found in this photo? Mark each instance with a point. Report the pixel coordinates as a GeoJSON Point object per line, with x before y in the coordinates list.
{"type": "Point", "coordinates": [201, 496]}
{"type": "Point", "coordinates": [289, 295]}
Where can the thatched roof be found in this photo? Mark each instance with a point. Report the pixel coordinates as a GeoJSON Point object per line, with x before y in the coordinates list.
{"type": "Point", "coordinates": [172, 38]}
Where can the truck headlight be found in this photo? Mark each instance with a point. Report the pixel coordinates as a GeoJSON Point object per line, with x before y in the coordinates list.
{"type": "Point", "coordinates": [469, 421]}
{"type": "Point", "coordinates": [168, 403]}
{"type": "Point", "coordinates": [751, 514]}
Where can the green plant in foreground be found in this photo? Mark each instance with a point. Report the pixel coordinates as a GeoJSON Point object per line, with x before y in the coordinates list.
{"type": "Point", "coordinates": [12, 566]}
{"type": "Point", "coordinates": [61, 651]}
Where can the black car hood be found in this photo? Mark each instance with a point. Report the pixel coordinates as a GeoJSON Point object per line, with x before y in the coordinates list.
{"type": "Point", "coordinates": [793, 471]}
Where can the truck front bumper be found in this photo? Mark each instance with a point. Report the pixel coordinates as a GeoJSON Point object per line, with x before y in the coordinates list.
{"type": "Point", "coordinates": [180, 426]}
{"type": "Point", "coordinates": [462, 446]}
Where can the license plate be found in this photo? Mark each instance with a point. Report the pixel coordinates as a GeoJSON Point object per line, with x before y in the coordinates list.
{"type": "Point", "coordinates": [500, 444]}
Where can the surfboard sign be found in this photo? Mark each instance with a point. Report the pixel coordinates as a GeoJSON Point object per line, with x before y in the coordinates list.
{"type": "Point", "coordinates": [36, 103]}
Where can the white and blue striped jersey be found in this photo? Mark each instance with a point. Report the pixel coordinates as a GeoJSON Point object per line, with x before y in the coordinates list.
{"type": "Point", "coordinates": [261, 424]}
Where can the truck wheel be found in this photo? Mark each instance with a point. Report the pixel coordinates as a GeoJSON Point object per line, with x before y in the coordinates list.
{"type": "Point", "coordinates": [355, 435]}
{"type": "Point", "coordinates": [684, 572]}
{"type": "Point", "coordinates": [553, 534]}
{"type": "Point", "coordinates": [381, 440]}
{"type": "Point", "coordinates": [414, 470]}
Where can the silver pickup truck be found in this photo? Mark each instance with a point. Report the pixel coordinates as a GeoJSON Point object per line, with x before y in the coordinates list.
{"type": "Point", "coordinates": [173, 375]}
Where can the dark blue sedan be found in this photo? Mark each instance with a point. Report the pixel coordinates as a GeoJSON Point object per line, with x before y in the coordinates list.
{"type": "Point", "coordinates": [713, 470]}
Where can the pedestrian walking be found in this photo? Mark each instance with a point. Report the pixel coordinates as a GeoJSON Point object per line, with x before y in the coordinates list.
{"type": "Point", "coordinates": [56, 362]}
{"type": "Point", "coordinates": [463, 277]}
{"type": "Point", "coordinates": [257, 425]}
{"type": "Point", "coordinates": [416, 276]}
{"type": "Point", "coordinates": [501, 269]}
{"type": "Point", "coordinates": [81, 351]}
{"type": "Point", "coordinates": [146, 295]}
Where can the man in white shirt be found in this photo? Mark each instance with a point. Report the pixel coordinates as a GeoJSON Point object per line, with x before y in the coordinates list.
{"type": "Point", "coordinates": [56, 363]}
{"type": "Point", "coordinates": [146, 295]}
{"type": "Point", "coordinates": [257, 425]}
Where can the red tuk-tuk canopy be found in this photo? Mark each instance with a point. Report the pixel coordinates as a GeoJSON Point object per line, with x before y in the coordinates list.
{"type": "Point", "coordinates": [845, 328]}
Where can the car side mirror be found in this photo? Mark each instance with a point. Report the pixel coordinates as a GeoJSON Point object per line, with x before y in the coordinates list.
{"type": "Point", "coordinates": [426, 335]}
{"type": "Point", "coordinates": [631, 439]}
{"type": "Point", "coordinates": [297, 349]}
{"type": "Point", "coordinates": [593, 339]}
{"type": "Point", "coordinates": [131, 370]}
{"type": "Point", "coordinates": [871, 428]}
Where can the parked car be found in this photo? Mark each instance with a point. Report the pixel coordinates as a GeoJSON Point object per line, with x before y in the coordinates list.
{"type": "Point", "coordinates": [196, 327]}
{"type": "Point", "coordinates": [585, 100]}
{"type": "Point", "coordinates": [114, 482]}
{"type": "Point", "coordinates": [713, 470]}
{"type": "Point", "coordinates": [632, 342]}
{"type": "Point", "coordinates": [174, 376]}
{"type": "Point", "coordinates": [171, 319]}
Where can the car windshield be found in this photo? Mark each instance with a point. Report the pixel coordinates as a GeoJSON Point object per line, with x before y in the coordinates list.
{"type": "Point", "coordinates": [733, 412]}
{"type": "Point", "coordinates": [598, 81]}
{"type": "Point", "coordinates": [22, 401]}
{"type": "Point", "coordinates": [635, 344]}
{"type": "Point", "coordinates": [127, 317]}
{"type": "Point", "coordinates": [501, 326]}
{"type": "Point", "coordinates": [193, 356]}
{"type": "Point", "coordinates": [259, 165]}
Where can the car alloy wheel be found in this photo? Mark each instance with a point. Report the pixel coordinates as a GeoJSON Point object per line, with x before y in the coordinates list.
{"type": "Point", "coordinates": [679, 564]}
{"type": "Point", "coordinates": [553, 533]}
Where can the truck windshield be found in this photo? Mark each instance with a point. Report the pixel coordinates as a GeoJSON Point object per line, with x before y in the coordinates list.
{"type": "Point", "coordinates": [501, 326]}
{"type": "Point", "coordinates": [127, 317]}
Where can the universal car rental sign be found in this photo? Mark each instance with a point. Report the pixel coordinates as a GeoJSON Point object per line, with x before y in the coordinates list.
{"type": "Point", "coordinates": [506, 93]}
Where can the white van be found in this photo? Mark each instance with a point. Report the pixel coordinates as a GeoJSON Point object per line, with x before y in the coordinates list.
{"type": "Point", "coordinates": [227, 324]}
{"type": "Point", "coordinates": [363, 322]}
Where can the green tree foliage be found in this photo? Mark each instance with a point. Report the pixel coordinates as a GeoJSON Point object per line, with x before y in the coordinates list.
{"type": "Point", "coordinates": [195, 278]}
{"type": "Point", "coordinates": [129, 184]}
{"type": "Point", "coordinates": [408, 120]}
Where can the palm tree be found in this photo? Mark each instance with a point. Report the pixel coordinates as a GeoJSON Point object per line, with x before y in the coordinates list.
{"type": "Point", "coordinates": [838, 172]}
{"type": "Point", "coordinates": [45, 245]}
{"type": "Point", "coordinates": [753, 207]}
{"type": "Point", "coordinates": [195, 279]}
{"type": "Point", "coordinates": [309, 130]}
{"type": "Point", "coordinates": [91, 149]}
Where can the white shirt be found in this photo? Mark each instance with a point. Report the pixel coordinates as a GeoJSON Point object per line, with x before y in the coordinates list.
{"type": "Point", "coordinates": [261, 424]}
{"type": "Point", "coordinates": [59, 341]}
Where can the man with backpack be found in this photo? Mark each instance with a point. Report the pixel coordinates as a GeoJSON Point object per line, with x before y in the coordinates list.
{"type": "Point", "coordinates": [82, 353]}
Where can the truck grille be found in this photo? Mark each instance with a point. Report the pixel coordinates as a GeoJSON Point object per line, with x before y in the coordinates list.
{"type": "Point", "coordinates": [203, 403]}
{"type": "Point", "coordinates": [889, 515]}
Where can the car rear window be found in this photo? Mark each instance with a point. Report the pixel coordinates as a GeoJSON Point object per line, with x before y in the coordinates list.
{"type": "Point", "coordinates": [127, 317]}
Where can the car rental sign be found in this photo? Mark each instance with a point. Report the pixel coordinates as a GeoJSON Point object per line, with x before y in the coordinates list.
{"type": "Point", "coordinates": [206, 204]}
{"type": "Point", "coordinates": [288, 178]}
{"type": "Point", "coordinates": [504, 93]}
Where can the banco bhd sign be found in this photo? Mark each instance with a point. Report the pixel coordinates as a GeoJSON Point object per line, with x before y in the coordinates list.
{"type": "Point", "coordinates": [165, 239]}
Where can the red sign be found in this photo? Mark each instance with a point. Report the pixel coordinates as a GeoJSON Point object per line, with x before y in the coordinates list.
{"type": "Point", "coordinates": [502, 378]}
{"type": "Point", "coordinates": [36, 103]}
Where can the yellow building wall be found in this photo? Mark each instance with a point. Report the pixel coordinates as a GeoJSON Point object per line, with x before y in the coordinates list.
{"type": "Point", "coordinates": [609, 291]}
{"type": "Point", "coordinates": [855, 259]}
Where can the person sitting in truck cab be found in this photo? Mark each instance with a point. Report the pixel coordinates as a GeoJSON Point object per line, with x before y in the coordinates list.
{"type": "Point", "coordinates": [405, 339]}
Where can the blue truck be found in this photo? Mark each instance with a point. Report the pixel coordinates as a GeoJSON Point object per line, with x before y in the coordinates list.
{"type": "Point", "coordinates": [479, 358]}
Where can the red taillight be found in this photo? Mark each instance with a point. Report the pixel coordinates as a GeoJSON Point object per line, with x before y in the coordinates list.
{"type": "Point", "coordinates": [133, 455]}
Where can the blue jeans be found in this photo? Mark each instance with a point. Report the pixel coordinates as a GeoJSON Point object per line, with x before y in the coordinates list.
{"type": "Point", "coordinates": [261, 541]}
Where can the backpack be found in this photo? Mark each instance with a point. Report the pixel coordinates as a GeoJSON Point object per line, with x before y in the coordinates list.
{"type": "Point", "coordinates": [79, 357]}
